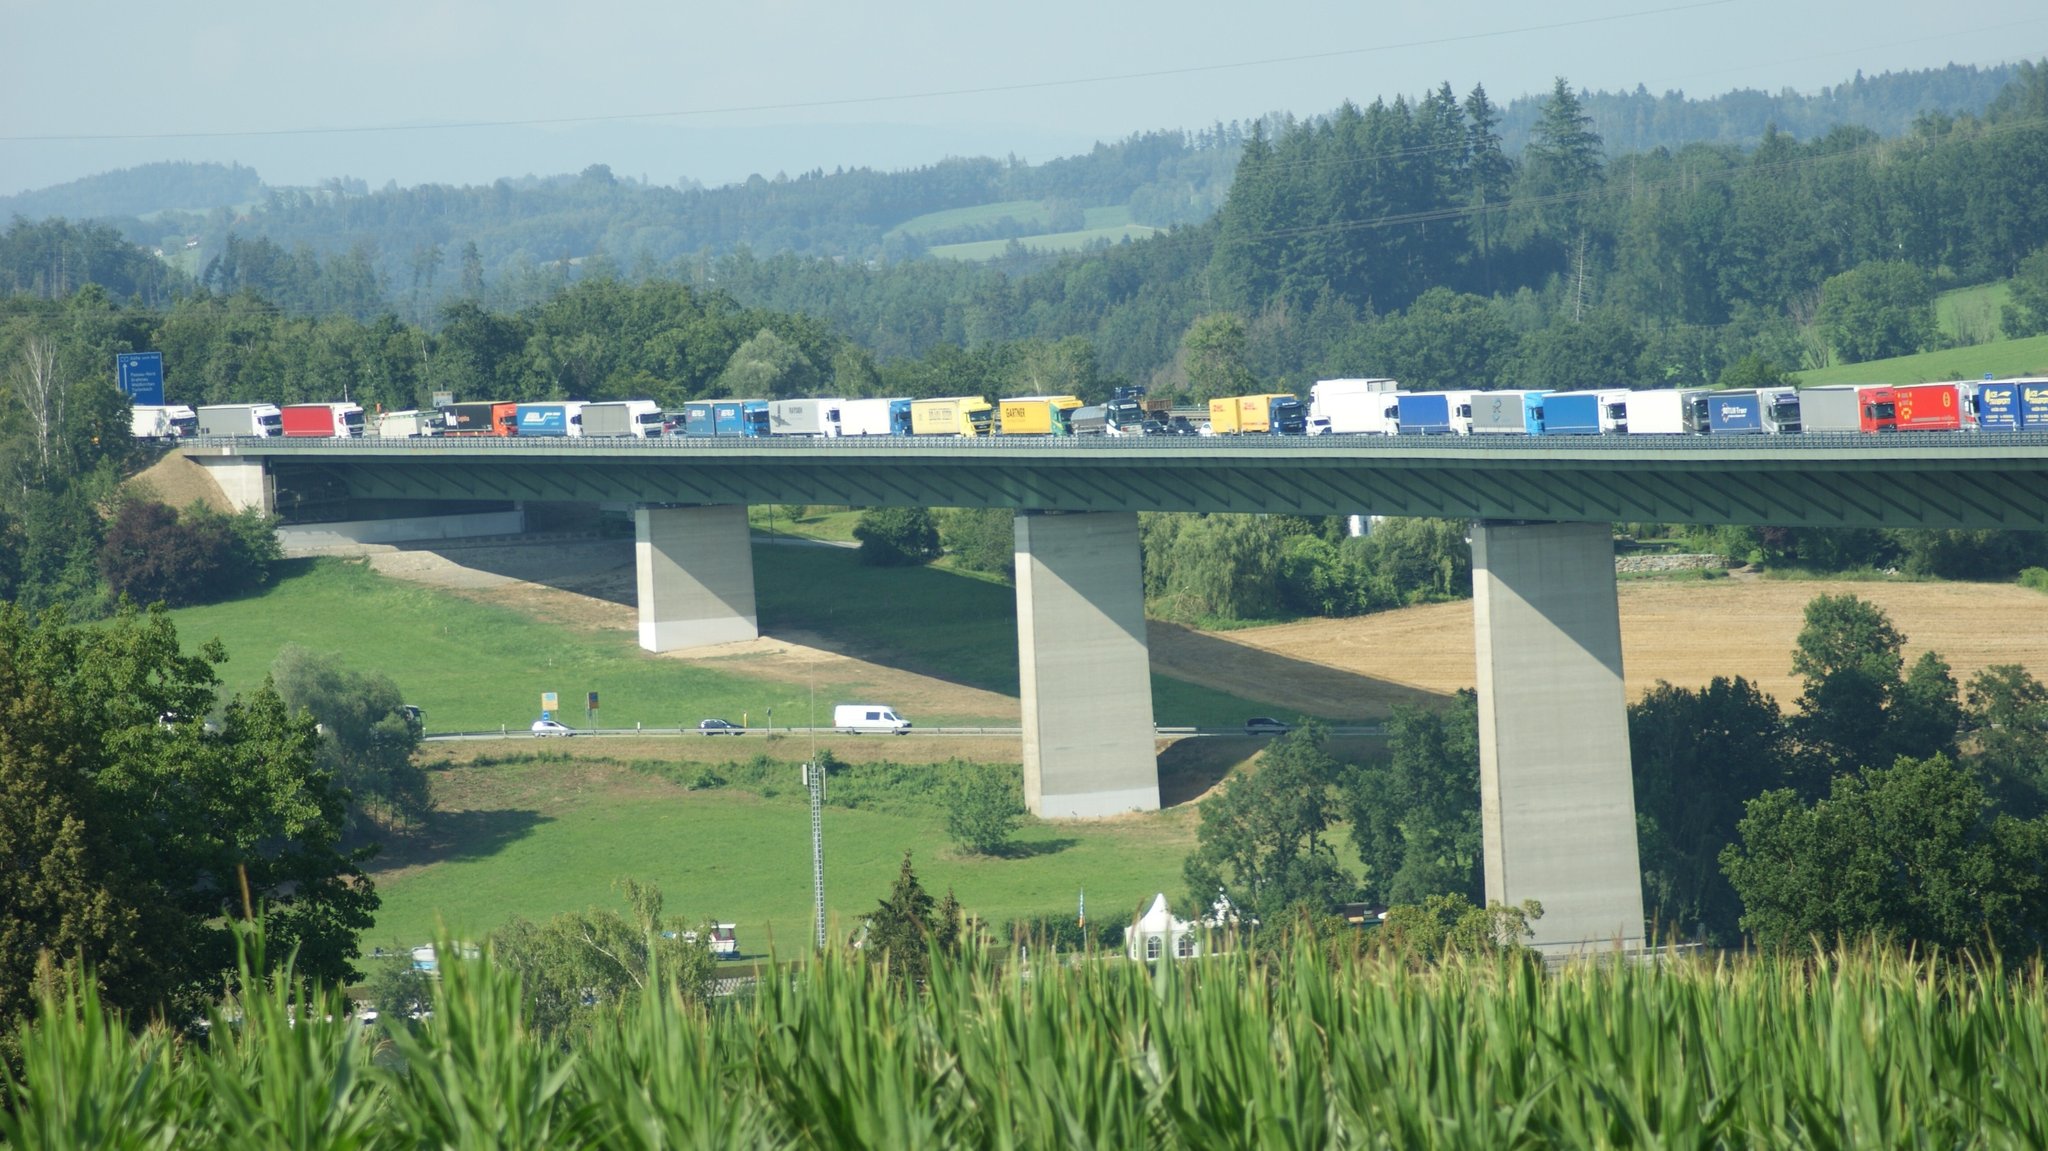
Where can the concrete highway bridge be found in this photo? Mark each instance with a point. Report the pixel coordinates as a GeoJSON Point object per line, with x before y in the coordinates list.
{"type": "Point", "coordinates": [1557, 804]}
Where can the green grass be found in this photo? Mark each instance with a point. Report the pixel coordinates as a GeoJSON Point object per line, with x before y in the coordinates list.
{"type": "Point", "coordinates": [1972, 314]}
{"type": "Point", "coordinates": [1022, 211]}
{"type": "Point", "coordinates": [475, 667]}
{"type": "Point", "coordinates": [554, 833]}
{"type": "Point", "coordinates": [816, 523]}
{"type": "Point", "coordinates": [2005, 358]}
{"type": "Point", "coordinates": [1047, 242]}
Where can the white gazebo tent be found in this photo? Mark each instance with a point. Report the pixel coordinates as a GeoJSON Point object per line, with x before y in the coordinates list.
{"type": "Point", "coordinates": [1158, 935]}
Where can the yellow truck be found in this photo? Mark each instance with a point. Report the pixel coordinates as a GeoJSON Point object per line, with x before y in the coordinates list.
{"type": "Point", "coordinates": [1275, 413]}
{"type": "Point", "coordinates": [953, 416]}
{"type": "Point", "coordinates": [1039, 416]}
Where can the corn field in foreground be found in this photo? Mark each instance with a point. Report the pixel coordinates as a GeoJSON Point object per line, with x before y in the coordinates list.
{"type": "Point", "coordinates": [1874, 1050]}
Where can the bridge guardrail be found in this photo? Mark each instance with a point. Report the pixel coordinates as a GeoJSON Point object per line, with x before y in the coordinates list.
{"type": "Point", "coordinates": [1970, 439]}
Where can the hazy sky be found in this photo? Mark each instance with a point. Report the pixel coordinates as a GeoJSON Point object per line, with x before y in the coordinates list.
{"type": "Point", "coordinates": [685, 89]}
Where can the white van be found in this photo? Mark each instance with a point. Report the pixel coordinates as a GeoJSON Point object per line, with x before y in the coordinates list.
{"type": "Point", "coordinates": [854, 718]}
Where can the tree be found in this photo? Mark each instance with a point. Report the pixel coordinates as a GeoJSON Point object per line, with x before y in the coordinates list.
{"type": "Point", "coordinates": [1755, 371]}
{"type": "Point", "coordinates": [769, 365]}
{"type": "Point", "coordinates": [1698, 757]}
{"type": "Point", "coordinates": [900, 929]}
{"type": "Point", "coordinates": [2026, 311]}
{"type": "Point", "coordinates": [1908, 853]}
{"type": "Point", "coordinates": [1562, 161]}
{"type": "Point", "coordinates": [1857, 707]}
{"type": "Point", "coordinates": [981, 539]}
{"type": "Point", "coordinates": [2007, 717]}
{"type": "Point", "coordinates": [1262, 842]}
{"type": "Point", "coordinates": [1877, 310]}
{"type": "Point", "coordinates": [1213, 357]}
{"type": "Point", "coordinates": [367, 739]}
{"type": "Point", "coordinates": [581, 964]}
{"type": "Point", "coordinates": [982, 808]}
{"type": "Point", "coordinates": [1415, 818]}
{"type": "Point", "coordinates": [154, 553]}
{"type": "Point", "coordinates": [897, 537]}
{"type": "Point", "coordinates": [155, 831]}
{"type": "Point", "coordinates": [1442, 925]}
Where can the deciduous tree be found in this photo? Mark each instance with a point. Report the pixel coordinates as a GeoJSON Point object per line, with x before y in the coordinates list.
{"type": "Point", "coordinates": [1263, 838]}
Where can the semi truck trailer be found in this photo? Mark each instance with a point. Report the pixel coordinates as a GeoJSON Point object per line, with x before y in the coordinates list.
{"type": "Point", "coordinates": [163, 421]}
{"type": "Point", "coordinates": [1037, 416]}
{"type": "Point", "coordinates": [239, 420]}
{"type": "Point", "coordinates": [1269, 413]}
{"type": "Point", "coordinates": [638, 419]}
{"type": "Point", "coordinates": [952, 416]}
{"type": "Point", "coordinates": [322, 420]}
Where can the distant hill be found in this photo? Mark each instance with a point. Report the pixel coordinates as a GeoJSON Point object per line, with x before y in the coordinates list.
{"type": "Point", "coordinates": [168, 186]}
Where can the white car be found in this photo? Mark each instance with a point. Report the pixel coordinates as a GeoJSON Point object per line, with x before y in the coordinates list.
{"type": "Point", "coordinates": [552, 727]}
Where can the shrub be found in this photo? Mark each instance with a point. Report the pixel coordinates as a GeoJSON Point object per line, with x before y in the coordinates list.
{"type": "Point", "coordinates": [897, 537]}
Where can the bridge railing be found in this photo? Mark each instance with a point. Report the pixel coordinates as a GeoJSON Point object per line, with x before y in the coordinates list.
{"type": "Point", "coordinates": [1959, 441]}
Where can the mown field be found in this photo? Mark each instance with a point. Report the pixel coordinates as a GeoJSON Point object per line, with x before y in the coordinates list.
{"type": "Point", "coordinates": [477, 666]}
{"type": "Point", "coordinates": [2028, 357]}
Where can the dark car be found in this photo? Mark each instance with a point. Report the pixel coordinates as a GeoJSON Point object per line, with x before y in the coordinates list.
{"type": "Point", "coordinates": [1176, 426]}
{"type": "Point", "coordinates": [1264, 725]}
{"type": "Point", "coordinates": [720, 727]}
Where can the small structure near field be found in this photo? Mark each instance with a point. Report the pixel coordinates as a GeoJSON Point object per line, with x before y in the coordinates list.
{"type": "Point", "coordinates": [1157, 935]}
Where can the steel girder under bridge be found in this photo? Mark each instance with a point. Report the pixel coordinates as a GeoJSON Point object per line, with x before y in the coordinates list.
{"type": "Point", "coordinates": [1927, 480]}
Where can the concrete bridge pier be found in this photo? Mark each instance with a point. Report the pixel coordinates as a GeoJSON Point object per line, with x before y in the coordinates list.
{"type": "Point", "coordinates": [1556, 797]}
{"type": "Point", "coordinates": [695, 570]}
{"type": "Point", "coordinates": [1085, 672]}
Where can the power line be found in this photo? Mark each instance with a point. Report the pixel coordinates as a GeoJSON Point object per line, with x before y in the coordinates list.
{"type": "Point", "coordinates": [854, 101]}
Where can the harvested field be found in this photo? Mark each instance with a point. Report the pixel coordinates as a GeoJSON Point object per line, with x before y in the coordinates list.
{"type": "Point", "coordinates": [1684, 632]}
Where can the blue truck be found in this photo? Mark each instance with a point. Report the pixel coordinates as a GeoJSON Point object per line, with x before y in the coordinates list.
{"type": "Point", "coordinates": [2012, 405]}
{"type": "Point", "coordinates": [562, 419]}
{"type": "Point", "coordinates": [725, 418]}
{"type": "Point", "coordinates": [1433, 414]}
{"type": "Point", "coordinates": [1572, 414]}
{"type": "Point", "coordinates": [1733, 413]}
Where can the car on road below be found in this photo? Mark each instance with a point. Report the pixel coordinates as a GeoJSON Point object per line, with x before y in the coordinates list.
{"type": "Point", "coordinates": [720, 727]}
{"type": "Point", "coordinates": [1264, 725]}
{"type": "Point", "coordinates": [551, 727]}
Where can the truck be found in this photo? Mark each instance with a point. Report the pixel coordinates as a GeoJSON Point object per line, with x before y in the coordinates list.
{"type": "Point", "coordinates": [951, 416]}
{"type": "Point", "coordinates": [410, 424]}
{"type": "Point", "coordinates": [322, 420]}
{"type": "Point", "coordinates": [163, 421]}
{"type": "Point", "coordinates": [1090, 420]}
{"type": "Point", "coordinates": [725, 418]}
{"type": "Point", "coordinates": [855, 718]}
{"type": "Point", "coordinates": [1928, 407]}
{"type": "Point", "coordinates": [1507, 413]}
{"type": "Point", "coordinates": [562, 418]}
{"type": "Point", "coordinates": [811, 418]}
{"type": "Point", "coordinates": [1593, 412]}
{"type": "Point", "coordinates": [239, 420]}
{"type": "Point", "coordinates": [1433, 414]}
{"type": "Point", "coordinates": [480, 418]}
{"type": "Point", "coordinates": [1658, 411]}
{"type": "Point", "coordinates": [1128, 411]}
{"type": "Point", "coordinates": [1268, 413]}
{"type": "Point", "coordinates": [1732, 413]}
{"type": "Point", "coordinates": [639, 419]}
{"type": "Point", "coordinates": [2012, 405]}
{"type": "Point", "coordinates": [1780, 407]}
{"type": "Point", "coordinates": [1353, 408]}
{"type": "Point", "coordinates": [878, 417]}
{"type": "Point", "coordinates": [1037, 416]}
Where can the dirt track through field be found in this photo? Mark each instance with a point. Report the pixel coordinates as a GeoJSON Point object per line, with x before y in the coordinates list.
{"type": "Point", "coordinates": [1682, 632]}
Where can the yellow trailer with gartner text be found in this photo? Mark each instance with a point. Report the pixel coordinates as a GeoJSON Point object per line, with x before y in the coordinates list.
{"type": "Point", "coordinates": [1039, 416]}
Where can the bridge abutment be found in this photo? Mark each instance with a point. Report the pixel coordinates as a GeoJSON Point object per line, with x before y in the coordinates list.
{"type": "Point", "coordinates": [1084, 669]}
{"type": "Point", "coordinates": [1557, 801]}
{"type": "Point", "coordinates": [243, 480]}
{"type": "Point", "coordinates": [695, 572]}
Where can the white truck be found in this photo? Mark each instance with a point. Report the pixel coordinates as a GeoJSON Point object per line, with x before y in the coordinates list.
{"type": "Point", "coordinates": [639, 419]}
{"type": "Point", "coordinates": [1353, 408]}
{"type": "Point", "coordinates": [877, 417]}
{"type": "Point", "coordinates": [1660, 411]}
{"type": "Point", "coordinates": [163, 421]}
{"type": "Point", "coordinates": [410, 424]}
{"type": "Point", "coordinates": [855, 718]}
{"type": "Point", "coordinates": [805, 417]}
{"type": "Point", "coordinates": [240, 420]}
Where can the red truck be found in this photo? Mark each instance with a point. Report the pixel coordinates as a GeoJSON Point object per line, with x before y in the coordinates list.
{"type": "Point", "coordinates": [326, 420]}
{"type": "Point", "coordinates": [1928, 407]}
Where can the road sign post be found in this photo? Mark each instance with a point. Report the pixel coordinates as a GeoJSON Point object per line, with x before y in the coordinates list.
{"type": "Point", "coordinates": [590, 710]}
{"type": "Point", "coordinates": [548, 705]}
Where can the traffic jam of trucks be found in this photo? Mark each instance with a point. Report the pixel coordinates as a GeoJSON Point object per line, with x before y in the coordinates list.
{"type": "Point", "coordinates": [1339, 407]}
